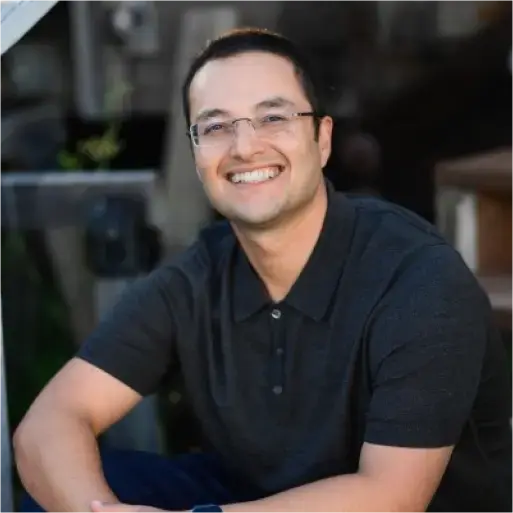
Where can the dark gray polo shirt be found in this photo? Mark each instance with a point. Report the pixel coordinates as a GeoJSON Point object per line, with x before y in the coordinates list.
{"type": "Point", "coordinates": [385, 338]}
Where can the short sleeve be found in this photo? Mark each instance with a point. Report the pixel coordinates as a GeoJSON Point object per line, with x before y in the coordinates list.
{"type": "Point", "coordinates": [427, 344]}
{"type": "Point", "coordinates": [135, 341]}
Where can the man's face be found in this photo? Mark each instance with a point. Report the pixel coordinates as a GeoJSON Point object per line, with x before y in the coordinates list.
{"type": "Point", "coordinates": [255, 177]}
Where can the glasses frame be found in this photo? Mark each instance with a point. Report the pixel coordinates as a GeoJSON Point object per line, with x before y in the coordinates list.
{"type": "Point", "coordinates": [193, 138]}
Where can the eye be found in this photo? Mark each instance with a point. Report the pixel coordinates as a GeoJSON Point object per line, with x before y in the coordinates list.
{"type": "Point", "coordinates": [214, 129]}
{"type": "Point", "coordinates": [273, 118]}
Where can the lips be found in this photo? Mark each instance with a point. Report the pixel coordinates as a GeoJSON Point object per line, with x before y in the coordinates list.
{"type": "Point", "coordinates": [253, 176]}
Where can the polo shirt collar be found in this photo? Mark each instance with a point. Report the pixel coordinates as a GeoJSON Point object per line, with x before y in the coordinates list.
{"type": "Point", "coordinates": [313, 291]}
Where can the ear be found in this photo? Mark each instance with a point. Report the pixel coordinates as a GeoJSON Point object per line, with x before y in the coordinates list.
{"type": "Point", "coordinates": [324, 141]}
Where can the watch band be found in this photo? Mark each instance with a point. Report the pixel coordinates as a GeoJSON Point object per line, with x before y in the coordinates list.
{"type": "Point", "coordinates": [207, 507]}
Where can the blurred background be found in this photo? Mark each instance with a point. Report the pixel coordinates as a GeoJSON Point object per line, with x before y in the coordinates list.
{"type": "Point", "coordinates": [98, 183]}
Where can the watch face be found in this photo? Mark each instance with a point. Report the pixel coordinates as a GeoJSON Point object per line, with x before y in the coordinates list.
{"type": "Point", "coordinates": [207, 507]}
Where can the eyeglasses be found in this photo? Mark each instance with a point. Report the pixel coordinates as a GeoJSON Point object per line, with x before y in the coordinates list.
{"type": "Point", "coordinates": [221, 133]}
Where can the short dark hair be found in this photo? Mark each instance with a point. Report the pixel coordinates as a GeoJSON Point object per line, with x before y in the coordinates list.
{"type": "Point", "coordinates": [244, 40]}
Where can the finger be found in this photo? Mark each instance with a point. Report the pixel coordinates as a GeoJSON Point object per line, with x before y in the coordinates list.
{"type": "Point", "coordinates": [100, 507]}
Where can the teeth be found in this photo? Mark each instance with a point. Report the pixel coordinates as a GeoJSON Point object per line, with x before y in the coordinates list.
{"type": "Point", "coordinates": [255, 176]}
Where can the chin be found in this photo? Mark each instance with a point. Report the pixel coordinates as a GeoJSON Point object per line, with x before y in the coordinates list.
{"type": "Point", "coordinates": [257, 214]}
{"type": "Point", "coordinates": [254, 220]}
{"type": "Point", "coordinates": [257, 224]}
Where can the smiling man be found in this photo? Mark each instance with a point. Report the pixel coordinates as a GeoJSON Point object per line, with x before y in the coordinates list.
{"type": "Point", "coordinates": [338, 354]}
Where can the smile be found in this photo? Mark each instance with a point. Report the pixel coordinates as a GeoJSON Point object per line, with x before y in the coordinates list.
{"type": "Point", "coordinates": [255, 176]}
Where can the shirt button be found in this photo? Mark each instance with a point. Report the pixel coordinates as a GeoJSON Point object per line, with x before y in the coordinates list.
{"type": "Point", "coordinates": [276, 314]}
{"type": "Point", "coordinates": [279, 351]}
{"type": "Point", "coordinates": [277, 390]}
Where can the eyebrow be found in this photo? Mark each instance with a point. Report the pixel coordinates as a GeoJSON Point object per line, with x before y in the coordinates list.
{"type": "Point", "coordinates": [268, 103]}
{"type": "Point", "coordinates": [211, 113]}
{"type": "Point", "coordinates": [275, 101]}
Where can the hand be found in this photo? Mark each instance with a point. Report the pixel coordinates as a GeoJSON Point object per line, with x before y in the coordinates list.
{"type": "Point", "coordinates": [103, 506]}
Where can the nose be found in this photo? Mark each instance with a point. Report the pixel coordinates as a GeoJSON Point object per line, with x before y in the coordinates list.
{"type": "Point", "coordinates": [245, 142]}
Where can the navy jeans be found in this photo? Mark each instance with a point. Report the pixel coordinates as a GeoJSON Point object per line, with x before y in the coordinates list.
{"type": "Point", "coordinates": [178, 483]}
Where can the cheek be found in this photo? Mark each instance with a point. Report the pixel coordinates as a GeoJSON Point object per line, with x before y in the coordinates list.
{"type": "Point", "coordinates": [303, 153]}
{"type": "Point", "coordinates": [206, 167]}
{"type": "Point", "coordinates": [294, 149]}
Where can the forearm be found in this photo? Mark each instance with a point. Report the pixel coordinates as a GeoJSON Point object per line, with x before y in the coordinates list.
{"type": "Point", "coordinates": [353, 492]}
{"type": "Point", "coordinates": [59, 464]}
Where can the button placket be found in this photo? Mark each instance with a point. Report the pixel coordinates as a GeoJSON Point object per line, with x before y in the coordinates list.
{"type": "Point", "coordinates": [277, 329]}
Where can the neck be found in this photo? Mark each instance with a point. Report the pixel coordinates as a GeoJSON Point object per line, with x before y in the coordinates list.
{"type": "Point", "coordinates": [280, 253]}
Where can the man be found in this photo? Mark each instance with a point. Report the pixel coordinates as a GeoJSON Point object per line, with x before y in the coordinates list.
{"type": "Point", "coordinates": [338, 354]}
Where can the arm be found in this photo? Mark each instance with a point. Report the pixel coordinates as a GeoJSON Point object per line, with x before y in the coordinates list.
{"type": "Point", "coordinates": [426, 345]}
{"type": "Point", "coordinates": [125, 358]}
{"type": "Point", "coordinates": [389, 479]}
{"type": "Point", "coordinates": [55, 445]}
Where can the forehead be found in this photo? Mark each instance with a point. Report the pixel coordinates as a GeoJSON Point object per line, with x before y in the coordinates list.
{"type": "Point", "coordinates": [236, 84]}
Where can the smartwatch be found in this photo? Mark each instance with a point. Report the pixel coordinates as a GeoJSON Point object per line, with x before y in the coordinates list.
{"type": "Point", "coordinates": [207, 507]}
